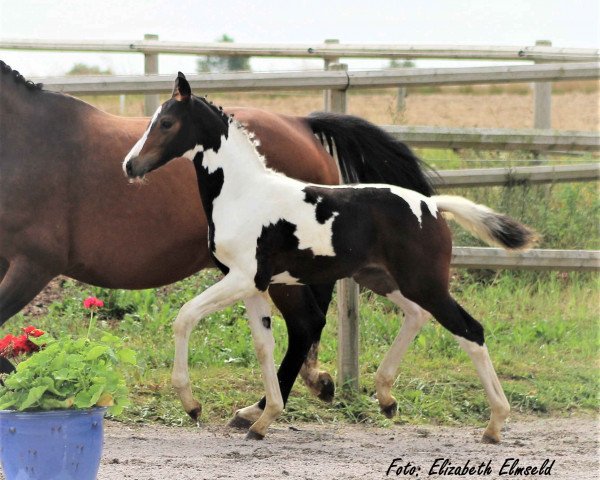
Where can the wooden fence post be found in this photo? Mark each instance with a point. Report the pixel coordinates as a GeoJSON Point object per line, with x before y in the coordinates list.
{"type": "Point", "coordinates": [347, 289]}
{"type": "Point", "coordinates": [327, 62]}
{"type": "Point", "coordinates": [152, 100]}
{"type": "Point", "coordinates": [542, 94]}
{"type": "Point", "coordinates": [348, 334]}
{"type": "Point", "coordinates": [401, 100]}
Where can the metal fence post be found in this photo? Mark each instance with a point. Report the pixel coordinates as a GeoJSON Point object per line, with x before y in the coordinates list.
{"type": "Point", "coordinates": [542, 95]}
{"type": "Point", "coordinates": [347, 289]}
{"type": "Point", "coordinates": [151, 101]}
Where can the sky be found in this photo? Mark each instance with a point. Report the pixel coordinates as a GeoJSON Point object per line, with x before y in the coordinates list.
{"type": "Point", "coordinates": [567, 23]}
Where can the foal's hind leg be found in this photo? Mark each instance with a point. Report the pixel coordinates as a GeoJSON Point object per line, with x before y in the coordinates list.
{"type": "Point", "coordinates": [469, 334]}
{"type": "Point", "coordinates": [414, 319]}
{"type": "Point", "coordinates": [498, 403]}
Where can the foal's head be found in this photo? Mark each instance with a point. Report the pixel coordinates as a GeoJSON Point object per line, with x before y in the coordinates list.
{"type": "Point", "coordinates": [182, 126]}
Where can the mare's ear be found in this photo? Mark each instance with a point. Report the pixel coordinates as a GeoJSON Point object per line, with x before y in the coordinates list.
{"type": "Point", "coordinates": [182, 90]}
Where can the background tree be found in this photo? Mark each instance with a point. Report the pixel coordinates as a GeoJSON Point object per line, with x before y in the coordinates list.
{"type": "Point", "coordinates": [223, 64]}
{"type": "Point", "coordinates": [394, 63]}
{"type": "Point", "coordinates": [84, 69]}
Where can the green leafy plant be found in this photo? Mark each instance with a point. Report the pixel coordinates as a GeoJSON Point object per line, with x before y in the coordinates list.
{"type": "Point", "coordinates": [68, 373]}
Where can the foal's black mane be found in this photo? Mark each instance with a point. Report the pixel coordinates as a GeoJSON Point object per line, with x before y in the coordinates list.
{"type": "Point", "coordinates": [18, 78]}
{"type": "Point", "coordinates": [227, 118]}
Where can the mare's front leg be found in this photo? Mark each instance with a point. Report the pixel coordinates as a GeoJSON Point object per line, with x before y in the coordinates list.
{"type": "Point", "coordinates": [230, 289]}
{"type": "Point", "coordinates": [21, 279]}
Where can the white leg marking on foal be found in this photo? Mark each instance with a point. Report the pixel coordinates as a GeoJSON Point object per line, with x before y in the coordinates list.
{"type": "Point", "coordinates": [258, 309]}
{"type": "Point", "coordinates": [414, 319]}
{"type": "Point", "coordinates": [137, 148]}
{"type": "Point", "coordinates": [251, 413]}
{"type": "Point", "coordinates": [498, 403]}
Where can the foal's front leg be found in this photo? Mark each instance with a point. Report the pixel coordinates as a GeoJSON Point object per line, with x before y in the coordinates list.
{"type": "Point", "coordinates": [259, 316]}
{"type": "Point", "coordinates": [231, 288]}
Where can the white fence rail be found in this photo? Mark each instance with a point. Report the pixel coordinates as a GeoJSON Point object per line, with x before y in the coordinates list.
{"type": "Point", "coordinates": [539, 259]}
{"type": "Point", "coordinates": [323, 50]}
{"type": "Point", "coordinates": [496, 138]}
{"type": "Point", "coordinates": [326, 80]}
{"type": "Point", "coordinates": [484, 177]}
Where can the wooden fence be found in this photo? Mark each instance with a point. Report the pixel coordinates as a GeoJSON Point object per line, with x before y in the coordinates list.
{"type": "Point", "coordinates": [336, 80]}
{"type": "Point", "coordinates": [329, 49]}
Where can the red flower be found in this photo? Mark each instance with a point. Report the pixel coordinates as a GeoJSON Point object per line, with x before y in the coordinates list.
{"type": "Point", "coordinates": [11, 346]}
{"type": "Point", "coordinates": [32, 331]}
{"type": "Point", "coordinates": [92, 302]}
{"type": "Point", "coordinates": [6, 342]}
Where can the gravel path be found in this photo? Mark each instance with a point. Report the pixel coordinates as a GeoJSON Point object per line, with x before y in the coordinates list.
{"type": "Point", "coordinates": [346, 452]}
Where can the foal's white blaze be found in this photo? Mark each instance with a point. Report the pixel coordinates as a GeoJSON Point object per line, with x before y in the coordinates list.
{"type": "Point", "coordinates": [137, 148]}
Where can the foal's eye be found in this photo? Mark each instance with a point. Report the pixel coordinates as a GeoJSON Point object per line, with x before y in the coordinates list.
{"type": "Point", "coordinates": [166, 124]}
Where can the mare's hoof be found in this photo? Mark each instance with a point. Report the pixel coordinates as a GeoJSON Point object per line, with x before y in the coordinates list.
{"type": "Point", "coordinates": [195, 413]}
{"type": "Point", "coordinates": [239, 423]}
{"type": "Point", "coordinates": [252, 435]}
{"type": "Point", "coordinates": [391, 410]}
{"type": "Point", "coordinates": [327, 388]}
{"type": "Point", "coordinates": [490, 438]}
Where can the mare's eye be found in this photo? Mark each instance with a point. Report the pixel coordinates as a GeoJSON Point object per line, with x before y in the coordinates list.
{"type": "Point", "coordinates": [166, 124]}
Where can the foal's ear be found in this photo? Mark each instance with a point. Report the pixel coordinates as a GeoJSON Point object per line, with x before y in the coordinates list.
{"type": "Point", "coordinates": [182, 89]}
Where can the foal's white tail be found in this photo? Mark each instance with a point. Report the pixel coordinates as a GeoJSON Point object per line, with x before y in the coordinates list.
{"type": "Point", "coordinates": [491, 227]}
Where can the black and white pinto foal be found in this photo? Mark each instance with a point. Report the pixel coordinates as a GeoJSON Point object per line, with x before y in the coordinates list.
{"type": "Point", "coordinates": [266, 228]}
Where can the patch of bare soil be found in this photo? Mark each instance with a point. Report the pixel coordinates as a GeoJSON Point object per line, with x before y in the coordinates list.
{"type": "Point", "coordinates": [329, 452]}
{"type": "Point", "coordinates": [51, 293]}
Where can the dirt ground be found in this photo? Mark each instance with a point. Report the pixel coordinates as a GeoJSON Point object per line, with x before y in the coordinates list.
{"type": "Point", "coordinates": [320, 452]}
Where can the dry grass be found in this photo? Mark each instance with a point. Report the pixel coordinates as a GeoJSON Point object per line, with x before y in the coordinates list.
{"type": "Point", "coordinates": [575, 105]}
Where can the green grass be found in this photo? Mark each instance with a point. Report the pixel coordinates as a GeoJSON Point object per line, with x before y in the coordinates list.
{"type": "Point", "coordinates": [542, 336]}
{"type": "Point", "coordinates": [542, 333]}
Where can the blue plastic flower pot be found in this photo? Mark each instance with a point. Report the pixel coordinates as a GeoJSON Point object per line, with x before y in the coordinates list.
{"type": "Point", "coordinates": [53, 445]}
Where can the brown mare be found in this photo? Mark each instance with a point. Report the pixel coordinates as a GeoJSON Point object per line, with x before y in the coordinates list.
{"type": "Point", "coordinates": [66, 207]}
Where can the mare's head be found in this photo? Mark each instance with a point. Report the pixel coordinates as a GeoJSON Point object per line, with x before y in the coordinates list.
{"type": "Point", "coordinates": [181, 127]}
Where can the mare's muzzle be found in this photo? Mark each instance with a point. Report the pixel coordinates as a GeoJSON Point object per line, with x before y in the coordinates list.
{"type": "Point", "coordinates": [134, 168]}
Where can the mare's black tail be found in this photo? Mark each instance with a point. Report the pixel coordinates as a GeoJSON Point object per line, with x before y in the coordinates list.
{"type": "Point", "coordinates": [368, 154]}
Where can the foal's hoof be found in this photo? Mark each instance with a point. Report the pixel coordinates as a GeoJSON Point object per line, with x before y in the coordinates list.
{"type": "Point", "coordinates": [252, 435]}
{"type": "Point", "coordinates": [390, 410]}
{"type": "Point", "coordinates": [195, 413]}
{"type": "Point", "coordinates": [490, 438]}
{"type": "Point", "coordinates": [239, 423]}
{"type": "Point", "coordinates": [327, 390]}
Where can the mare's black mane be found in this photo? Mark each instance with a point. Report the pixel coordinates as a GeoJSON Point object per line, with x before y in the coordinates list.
{"type": "Point", "coordinates": [18, 78]}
